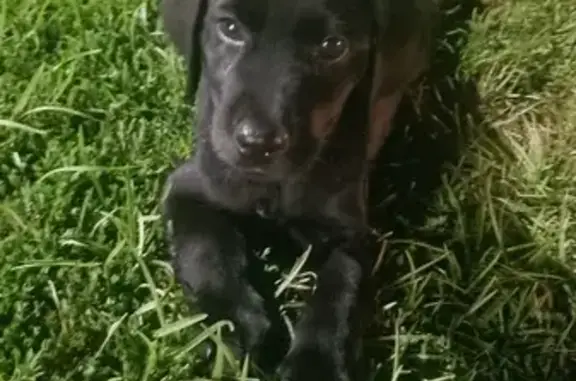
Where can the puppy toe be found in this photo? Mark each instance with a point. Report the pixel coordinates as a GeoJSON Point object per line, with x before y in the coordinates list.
{"type": "Point", "coordinates": [253, 324]}
{"type": "Point", "coordinates": [312, 364]}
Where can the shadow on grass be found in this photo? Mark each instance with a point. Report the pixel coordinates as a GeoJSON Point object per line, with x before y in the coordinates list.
{"type": "Point", "coordinates": [465, 299]}
{"type": "Point", "coordinates": [430, 130]}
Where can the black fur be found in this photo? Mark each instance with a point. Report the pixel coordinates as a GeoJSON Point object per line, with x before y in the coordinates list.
{"type": "Point", "coordinates": [311, 175]}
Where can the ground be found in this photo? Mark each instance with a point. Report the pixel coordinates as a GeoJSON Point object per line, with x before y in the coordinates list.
{"type": "Point", "coordinates": [91, 116]}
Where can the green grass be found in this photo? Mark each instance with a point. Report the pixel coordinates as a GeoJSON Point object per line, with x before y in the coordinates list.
{"type": "Point", "coordinates": [91, 115]}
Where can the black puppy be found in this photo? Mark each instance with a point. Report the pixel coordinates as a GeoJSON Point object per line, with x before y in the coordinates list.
{"type": "Point", "coordinates": [296, 99]}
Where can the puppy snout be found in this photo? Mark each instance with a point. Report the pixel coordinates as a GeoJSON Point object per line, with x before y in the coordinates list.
{"type": "Point", "coordinates": [260, 142]}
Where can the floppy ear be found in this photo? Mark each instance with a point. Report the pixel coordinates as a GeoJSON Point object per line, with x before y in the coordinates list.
{"type": "Point", "coordinates": [403, 33]}
{"type": "Point", "coordinates": [183, 22]}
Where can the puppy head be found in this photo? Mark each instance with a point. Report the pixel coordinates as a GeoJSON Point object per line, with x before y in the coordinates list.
{"type": "Point", "coordinates": [276, 74]}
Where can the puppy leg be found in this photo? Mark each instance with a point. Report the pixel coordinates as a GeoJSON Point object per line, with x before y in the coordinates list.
{"type": "Point", "coordinates": [209, 257]}
{"type": "Point", "coordinates": [327, 336]}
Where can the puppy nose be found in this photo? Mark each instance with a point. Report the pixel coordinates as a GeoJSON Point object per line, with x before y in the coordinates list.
{"type": "Point", "coordinates": [260, 142]}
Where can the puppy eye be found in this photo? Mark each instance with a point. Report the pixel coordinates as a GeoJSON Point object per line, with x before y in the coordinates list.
{"type": "Point", "coordinates": [231, 30]}
{"type": "Point", "coordinates": [333, 48]}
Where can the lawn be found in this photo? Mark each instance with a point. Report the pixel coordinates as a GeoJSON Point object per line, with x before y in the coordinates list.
{"type": "Point", "coordinates": [91, 118]}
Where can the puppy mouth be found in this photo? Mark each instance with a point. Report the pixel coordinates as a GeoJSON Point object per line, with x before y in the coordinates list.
{"type": "Point", "coordinates": [258, 170]}
{"type": "Point", "coordinates": [270, 169]}
{"type": "Point", "coordinates": [260, 174]}
{"type": "Point", "coordinates": [261, 168]}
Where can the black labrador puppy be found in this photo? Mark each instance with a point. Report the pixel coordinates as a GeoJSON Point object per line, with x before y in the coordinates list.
{"type": "Point", "coordinates": [295, 100]}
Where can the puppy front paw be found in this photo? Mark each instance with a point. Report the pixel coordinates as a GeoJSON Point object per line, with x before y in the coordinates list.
{"type": "Point", "coordinates": [314, 364]}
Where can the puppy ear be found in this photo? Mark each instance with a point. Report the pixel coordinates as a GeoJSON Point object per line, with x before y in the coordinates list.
{"type": "Point", "coordinates": [183, 22]}
{"type": "Point", "coordinates": [403, 33]}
